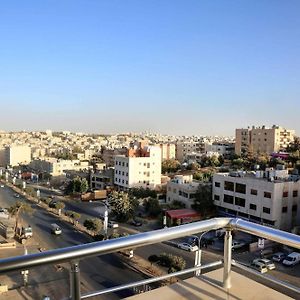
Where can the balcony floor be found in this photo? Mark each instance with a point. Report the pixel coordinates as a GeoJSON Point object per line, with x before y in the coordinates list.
{"type": "Point", "coordinates": [208, 287]}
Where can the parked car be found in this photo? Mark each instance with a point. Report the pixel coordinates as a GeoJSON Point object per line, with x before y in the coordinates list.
{"type": "Point", "coordinates": [267, 263]}
{"type": "Point", "coordinates": [292, 259]}
{"type": "Point", "coordinates": [26, 232]}
{"type": "Point", "coordinates": [52, 204]}
{"type": "Point", "coordinates": [260, 267]}
{"type": "Point", "coordinates": [237, 244]}
{"type": "Point", "coordinates": [136, 223]}
{"type": "Point", "coordinates": [187, 247]}
{"type": "Point", "coordinates": [2, 185]}
{"type": "Point", "coordinates": [279, 256]}
{"type": "Point", "coordinates": [16, 195]}
{"type": "Point", "coordinates": [112, 224]}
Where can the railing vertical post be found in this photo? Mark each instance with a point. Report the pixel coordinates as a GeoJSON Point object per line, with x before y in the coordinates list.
{"type": "Point", "coordinates": [75, 281]}
{"type": "Point", "coordinates": [227, 259]}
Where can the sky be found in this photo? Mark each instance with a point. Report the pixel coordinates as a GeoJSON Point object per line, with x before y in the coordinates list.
{"type": "Point", "coordinates": [174, 67]}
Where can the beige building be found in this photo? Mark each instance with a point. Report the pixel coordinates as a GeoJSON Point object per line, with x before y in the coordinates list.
{"type": "Point", "coordinates": [57, 167]}
{"type": "Point", "coordinates": [262, 139]}
{"type": "Point", "coordinates": [140, 167]}
{"type": "Point", "coordinates": [182, 188]}
{"type": "Point", "coordinates": [184, 148]}
{"type": "Point", "coordinates": [270, 197]}
{"type": "Point", "coordinates": [168, 151]}
{"type": "Point", "coordinates": [15, 155]}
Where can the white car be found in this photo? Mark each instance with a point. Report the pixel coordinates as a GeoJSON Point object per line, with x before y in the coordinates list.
{"type": "Point", "coordinates": [112, 224]}
{"type": "Point", "coordinates": [268, 263]}
{"type": "Point", "coordinates": [187, 247]}
{"type": "Point", "coordinates": [237, 244]}
{"type": "Point", "coordinates": [2, 185]}
{"type": "Point", "coordinates": [292, 259]}
{"type": "Point", "coordinates": [259, 267]}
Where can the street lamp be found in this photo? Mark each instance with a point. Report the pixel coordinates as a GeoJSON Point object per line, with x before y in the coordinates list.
{"type": "Point", "coordinates": [198, 253]}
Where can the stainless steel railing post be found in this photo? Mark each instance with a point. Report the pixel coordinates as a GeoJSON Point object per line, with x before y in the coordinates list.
{"type": "Point", "coordinates": [227, 259]}
{"type": "Point", "coordinates": [75, 281]}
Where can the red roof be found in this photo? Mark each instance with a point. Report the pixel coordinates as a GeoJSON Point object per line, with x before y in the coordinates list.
{"type": "Point", "coordinates": [182, 213]}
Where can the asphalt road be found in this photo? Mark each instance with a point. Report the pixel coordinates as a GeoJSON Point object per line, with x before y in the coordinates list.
{"type": "Point", "coordinates": [92, 269]}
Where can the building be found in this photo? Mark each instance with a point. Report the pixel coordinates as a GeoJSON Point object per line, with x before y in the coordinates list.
{"type": "Point", "coordinates": [168, 151]}
{"type": "Point", "coordinates": [184, 148]}
{"type": "Point", "coordinates": [57, 167]}
{"type": "Point", "coordinates": [224, 149]}
{"type": "Point", "coordinates": [262, 139]}
{"type": "Point", "coordinates": [182, 188]}
{"type": "Point", "coordinates": [15, 155]}
{"type": "Point", "coordinates": [108, 155]}
{"type": "Point", "coordinates": [270, 197]}
{"type": "Point", "coordinates": [140, 167]}
{"type": "Point", "coordinates": [102, 180]}
{"type": "Point", "coordinates": [181, 216]}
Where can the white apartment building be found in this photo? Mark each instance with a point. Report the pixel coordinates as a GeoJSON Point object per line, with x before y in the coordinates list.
{"type": "Point", "coordinates": [182, 188]}
{"type": "Point", "coordinates": [271, 198]}
{"type": "Point", "coordinates": [263, 139]}
{"type": "Point", "coordinates": [140, 167]}
{"type": "Point", "coordinates": [224, 149]}
{"type": "Point", "coordinates": [14, 155]}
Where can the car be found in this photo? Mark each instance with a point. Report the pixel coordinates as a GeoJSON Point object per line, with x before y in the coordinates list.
{"type": "Point", "coordinates": [279, 256]}
{"type": "Point", "coordinates": [52, 204]}
{"type": "Point", "coordinates": [292, 259]}
{"type": "Point", "coordinates": [237, 244]}
{"type": "Point", "coordinates": [112, 224]}
{"type": "Point", "coordinates": [268, 263]}
{"type": "Point", "coordinates": [187, 247]}
{"type": "Point", "coordinates": [2, 185]}
{"type": "Point", "coordinates": [260, 267]}
{"type": "Point", "coordinates": [16, 195]}
{"type": "Point", "coordinates": [136, 223]}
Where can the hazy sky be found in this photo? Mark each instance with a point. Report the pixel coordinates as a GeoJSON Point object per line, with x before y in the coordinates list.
{"type": "Point", "coordinates": [178, 67]}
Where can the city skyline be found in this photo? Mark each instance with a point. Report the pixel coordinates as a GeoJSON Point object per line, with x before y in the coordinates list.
{"type": "Point", "coordinates": [177, 68]}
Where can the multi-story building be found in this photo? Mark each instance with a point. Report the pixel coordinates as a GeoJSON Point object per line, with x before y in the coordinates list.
{"type": "Point", "coordinates": [224, 149]}
{"type": "Point", "coordinates": [262, 139]}
{"type": "Point", "coordinates": [184, 148]}
{"type": "Point", "coordinates": [182, 188]}
{"type": "Point", "coordinates": [168, 151]}
{"type": "Point", "coordinates": [140, 167]}
{"type": "Point", "coordinates": [271, 197]}
{"type": "Point", "coordinates": [15, 155]}
{"type": "Point", "coordinates": [57, 167]}
{"type": "Point", "coordinates": [108, 155]}
{"type": "Point", "coordinates": [102, 180]}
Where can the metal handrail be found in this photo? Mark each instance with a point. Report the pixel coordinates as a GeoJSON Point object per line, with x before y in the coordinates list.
{"type": "Point", "coordinates": [76, 253]}
{"type": "Point", "coordinates": [79, 252]}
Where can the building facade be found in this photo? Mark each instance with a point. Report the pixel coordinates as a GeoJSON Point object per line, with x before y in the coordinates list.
{"type": "Point", "coordinates": [184, 148]}
{"type": "Point", "coordinates": [15, 155]}
{"type": "Point", "coordinates": [271, 198]}
{"type": "Point", "coordinates": [182, 188]}
{"type": "Point", "coordinates": [262, 139]}
{"type": "Point", "coordinates": [168, 151]}
{"type": "Point", "coordinates": [140, 167]}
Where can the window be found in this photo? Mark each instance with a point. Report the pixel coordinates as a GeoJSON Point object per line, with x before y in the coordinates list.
{"type": "Point", "coordinates": [266, 210]}
{"type": "Point", "coordinates": [295, 193]}
{"type": "Point", "coordinates": [123, 173]}
{"type": "Point", "coordinates": [267, 195]}
{"type": "Point", "coordinates": [229, 186]}
{"type": "Point", "coordinates": [127, 174]}
{"type": "Point", "coordinates": [228, 199]}
{"type": "Point", "coordinates": [253, 192]}
{"type": "Point", "coordinates": [285, 194]}
{"type": "Point", "coordinates": [239, 201]}
{"type": "Point", "coordinates": [123, 181]}
{"type": "Point", "coordinates": [217, 197]}
{"type": "Point", "coordinates": [252, 206]}
{"type": "Point", "coordinates": [126, 164]}
{"type": "Point", "coordinates": [294, 208]}
{"type": "Point", "coordinates": [126, 181]}
{"type": "Point", "coordinates": [217, 184]}
{"type": "Point", "coordinates": [123, 164]}
{"type": "Point", "coordinates": [240, 188]}
{"type": "Point", "coordinates": [284, 209]}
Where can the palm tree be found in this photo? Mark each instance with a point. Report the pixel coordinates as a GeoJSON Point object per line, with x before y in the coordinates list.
{"type": "Point", "coordinates": [16, 209]}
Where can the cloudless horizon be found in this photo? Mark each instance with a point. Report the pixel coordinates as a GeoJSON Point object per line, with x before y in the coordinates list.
{"type": "Point", "coordinates": [175, 67]}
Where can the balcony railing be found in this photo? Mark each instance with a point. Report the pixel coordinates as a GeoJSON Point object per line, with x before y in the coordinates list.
{"type": "Point", "coordinates": [75, 254]}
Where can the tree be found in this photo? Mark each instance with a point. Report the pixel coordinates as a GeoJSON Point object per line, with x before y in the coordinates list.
{"type": "Point", "coordinates": [17, 208]}
{"type": "Point", "coordinates": [170, 165]}
{"type": "Point", "coordinates": [77, 185]}
{"type": "Point", "coordinates": [152, 207]}
{"type": "Point", "coordinates": [153, 259]}
{"type": "Point", "coordinates": [123, 206]}
{"type": "Point", "coordinates": [93, 224]}
{"type": "Point", "coordinates": [193, 166]}
{"type": "Point", "coordinates": [142, 193]}
{"type": "Point", "coordinates": [203, 200]}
